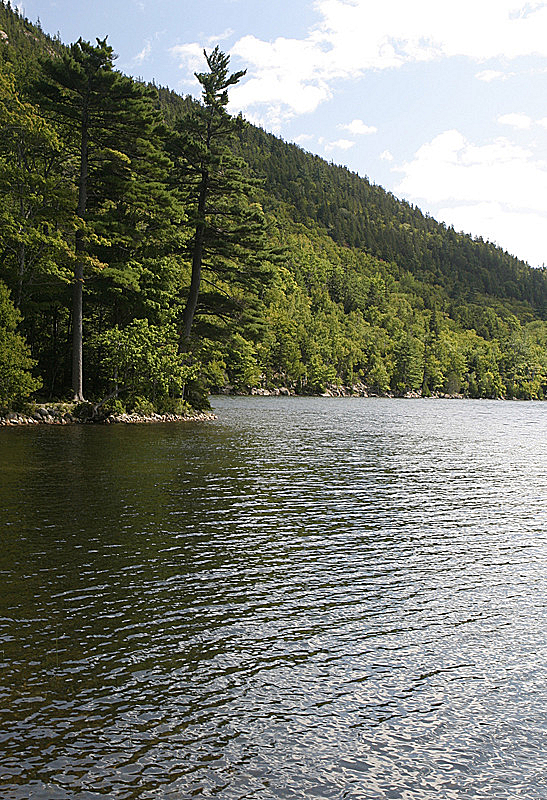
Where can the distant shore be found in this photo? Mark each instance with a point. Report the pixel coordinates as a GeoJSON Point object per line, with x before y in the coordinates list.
{"type": "Point", "coordinates": [333, 390]}
{"type": "Point", "coordinates": [342, 391]}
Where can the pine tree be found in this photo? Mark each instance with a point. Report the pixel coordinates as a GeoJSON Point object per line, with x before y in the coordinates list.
{"type": "Point", "coordinates": [227, 241]}
{"type": "Point", "coordinates": [104, 115]}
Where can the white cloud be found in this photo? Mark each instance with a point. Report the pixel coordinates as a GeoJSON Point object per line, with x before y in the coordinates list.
{"type": "Point", "coordinates": [518, 120]}
{"type": "Point", "coordinates": [513, 230]}
{"type": "Point", "coordinates": [293, 76]}
{"type": "Point", "coordinates": [399, 31]}
{"type": "Point", "coordinates": [452, 168]}
{"type": "Point", "coordinates": [339, 144]}
{"type": "Point", "coordinates": [212, 40]}
{"type": "Point", "coordinates": [489, 75]}
{"type": "Point", "coordinates": [458, 179]}
{"type": "Point", "coordinates": [283, 78]}
{"type": "Point", "coordinates": [303, 137]}
{"type": "Point", "coordinates": [144, 54]}
{"type": "Point", "coordinates": [191, 59]}
{"type": "Point", "coordinates": [386, 156]}
{"type": "Point", "coordinates": [358, 128]}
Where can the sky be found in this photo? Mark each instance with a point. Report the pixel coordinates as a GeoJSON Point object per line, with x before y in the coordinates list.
{"type": "Point", "coordinates": [442, 102]}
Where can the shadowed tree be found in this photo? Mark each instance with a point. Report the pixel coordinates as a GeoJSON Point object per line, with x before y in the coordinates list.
{"type": "Point", "coordinates": [34, 200]}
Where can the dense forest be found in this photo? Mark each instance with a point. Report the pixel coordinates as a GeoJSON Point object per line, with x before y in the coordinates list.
{"type": "Point", "coordinates": [154, 249]}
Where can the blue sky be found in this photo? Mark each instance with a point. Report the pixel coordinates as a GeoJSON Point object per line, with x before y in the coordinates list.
{"type": "Point", "coordinates": [443, 103]}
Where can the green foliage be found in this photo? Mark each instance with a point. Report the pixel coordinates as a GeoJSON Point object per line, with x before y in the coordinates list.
{"type": "Point", "coordinates": [286, 269]}
{"type": "Point", "coordinates": [176, 405]}
{"type": "Point", "coordinates": [108, 124]}
{"type": "Point", "coordinates": [34, 200]}
{"type": "Point", "coordinates": [359, 214]}
{"type": "Point", "coordinates": [142, 360]}
{"type": "Point", "coordinates": [241, 363]}
{"type": "Point", "coordinates": [112, 406]}
{"type": "Point", "coordinates": [227, 247]}
{"type": "Point", "coordinates": [143, 406]}
{"type": "Point", "coordinates": [16, 380]}
{"type": "Point", "coordinates": [83, 411]}
{"type": "Point", "coordinates": [196, 394]}
{"type": "Point", "coordinates": [319, 375]}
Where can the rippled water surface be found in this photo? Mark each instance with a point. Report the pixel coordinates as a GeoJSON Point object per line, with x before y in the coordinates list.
{"type": "Point", "coordinates": [308, 598]}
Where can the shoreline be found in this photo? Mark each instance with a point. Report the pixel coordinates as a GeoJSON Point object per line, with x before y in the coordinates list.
{"type": "Point", "coordinates": [53, 415]}
{"type": "Point", "coordinates": [58, 413]}
{"type": "Point", "coordinates": [345, 391]}
{"type": "Point", "coordinates": [353, 391]}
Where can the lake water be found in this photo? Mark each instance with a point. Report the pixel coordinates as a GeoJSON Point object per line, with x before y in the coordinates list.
{"type": "Point", "coordinates": [308, 598]}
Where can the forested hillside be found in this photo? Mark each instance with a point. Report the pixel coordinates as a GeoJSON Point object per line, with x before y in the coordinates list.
{"type": "Point", "coordinates": [359, 214]}
{"type": "Point", "coordinates": [153, 249]}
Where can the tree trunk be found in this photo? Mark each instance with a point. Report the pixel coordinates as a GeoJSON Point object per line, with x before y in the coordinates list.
{"type": "Point", "coordinates": [21, 249]}
{"type": "Point", "coordinates": [197, 258]}
{"type": "Point", "coordinates": [78, 284]}
{"type": "Point", "coordinates": [193, 294]}
{"type": "Point", "coordinates": [77, 332]}
{"type": "Point", "coordinates": [54, 360]}
{"type": "Point", "coordinates": [20, 275]}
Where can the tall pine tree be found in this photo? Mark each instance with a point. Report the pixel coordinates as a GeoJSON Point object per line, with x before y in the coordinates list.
{"type": "Point", "coordinates": [227, 245]}
{"type": "Point", "coordinates": [104, 114]}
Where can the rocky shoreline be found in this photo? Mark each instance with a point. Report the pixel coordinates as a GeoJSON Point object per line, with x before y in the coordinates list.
{"type": "Point", "coordinates": [59, 415]}
{"type": "Point", "coordinates": [355, 390]}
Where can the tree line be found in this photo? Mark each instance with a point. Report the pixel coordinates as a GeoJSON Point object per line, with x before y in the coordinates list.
{"type": "Point", "coordinates": [153, 249]}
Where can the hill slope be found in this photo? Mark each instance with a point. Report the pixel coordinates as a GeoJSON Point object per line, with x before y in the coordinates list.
{"type": "Point", "coordinates": [357, 213]}
{"type": "Point", "coordinates": [360, 214]}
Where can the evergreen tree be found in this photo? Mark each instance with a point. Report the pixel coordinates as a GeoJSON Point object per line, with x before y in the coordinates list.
{"type": "Point", "coordinates": [34, 200]}
{"type": "Point", "coordinates": [103, 114]}
{"type": "Point", "coordinates": [370, 290]}
{"type": "Point", "coordinates": [227, 227]}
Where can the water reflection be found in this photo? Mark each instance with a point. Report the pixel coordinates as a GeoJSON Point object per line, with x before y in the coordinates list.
{"type": "Point", "coordinates": [308, 598]}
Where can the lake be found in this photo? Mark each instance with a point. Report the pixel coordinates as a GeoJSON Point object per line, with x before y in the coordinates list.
{"type": "Point", "coordinates": [307, 598]}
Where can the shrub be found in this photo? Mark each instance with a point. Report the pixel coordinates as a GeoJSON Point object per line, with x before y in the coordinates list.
{"type": "Point", "coordinates": [174, 405]}
{"type": "Point", "coordinates": [142, 360]}
{"type": "Point", "coordinates": [143, 406]}
{"type": "Point", "coordinates": [16, 380]}
{"type": "Point", "coordinates": [112, 406]}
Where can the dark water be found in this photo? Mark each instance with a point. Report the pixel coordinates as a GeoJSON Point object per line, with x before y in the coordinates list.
{"type": "Point", "coordinates": [304, 599]}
